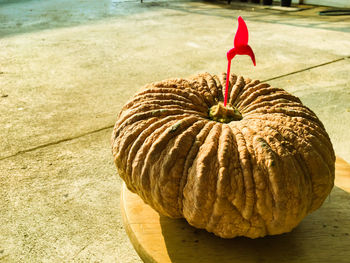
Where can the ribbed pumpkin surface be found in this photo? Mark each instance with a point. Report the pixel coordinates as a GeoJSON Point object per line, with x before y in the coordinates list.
{"type": "Point", "coordinates": [257, 176]}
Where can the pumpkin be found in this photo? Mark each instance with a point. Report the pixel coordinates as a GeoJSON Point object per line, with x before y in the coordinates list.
{"type": "Point", "coordinates": [256, 167]}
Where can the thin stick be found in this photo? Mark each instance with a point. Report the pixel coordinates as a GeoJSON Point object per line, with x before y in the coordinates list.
{"type": "Point", "coordinates": [227, 81]}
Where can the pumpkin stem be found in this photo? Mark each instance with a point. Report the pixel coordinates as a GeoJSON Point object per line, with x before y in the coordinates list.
{"type": "Point", "coordinates": [224, 114]}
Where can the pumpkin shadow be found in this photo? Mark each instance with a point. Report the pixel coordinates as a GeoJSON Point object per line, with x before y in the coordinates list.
{"type": "Point", "coordinates": [322, 236]}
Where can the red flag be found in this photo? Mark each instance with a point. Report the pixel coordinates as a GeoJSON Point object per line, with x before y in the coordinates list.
{"type": "Point", "coordinates": [240, 47]}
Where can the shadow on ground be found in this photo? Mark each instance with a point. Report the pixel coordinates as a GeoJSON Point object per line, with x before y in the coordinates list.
{"type": "Point", "coordinates": [321, 237]}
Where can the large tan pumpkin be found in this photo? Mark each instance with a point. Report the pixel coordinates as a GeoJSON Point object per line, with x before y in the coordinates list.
{"type": "Point", "coordinates": [254, 169]}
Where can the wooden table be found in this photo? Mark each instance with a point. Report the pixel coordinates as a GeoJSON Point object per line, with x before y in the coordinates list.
{"type": "Point", "coordinates": [323, 236]}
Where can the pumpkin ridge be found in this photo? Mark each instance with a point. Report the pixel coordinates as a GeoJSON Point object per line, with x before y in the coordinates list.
{"type": "Point", "coordinates": [318, 121]}
{"type": "Point", "coordinates": [201, 95]}
{"type": "Point", "coordinates": [306, 160]}
{"type": "Point", "coordinates": [248, 90]}
{"type": "Point", "coordinates": [319, 128]}
{"type": "Point", "coordinates": [231, 89]}
{"type": "Point", "coordinates": [140, 100]}
{"type": "Point", "coordinates": [298, 157]}
{"type": "Point", "coordinates": [202, 81]}
{"type": "Point", "coordinates": [198, 141]}
{"type": "Point", "coordinates": [150, 139]}
{"type": "Point", "coordinates": [218, 220]}
{"type": "Point", "coordinates": [152, 89]}
{"type": "Point", "coordinates": [232, 81]}
{"type": "Point", "coordinates": [149, 178]}
{"type": "Point", "coordinates": [132, 131]}
{"type": "Point", "coordinates": [285, 111]}
{"type": "Point", "coordinates": [188, 92]}
{"type": "Point", "coordinates": [219, 87]}
{"type": "Point", "coordinates": [168, 94]}
{"type": "Point", "coordinates": [260, 176]}
{"type": "Point", "coordinates": [222, 80]}
{"type": "Point", "coordinates": [197, 198]}
{"type": "Point", "coordinates": [253, 87]}
{"type": "Point", "coordinates": [130, 119]}
{"type": "Point", "coordinates": [151, 102]}
{"type": "Point", "coordinates": [267, 94]}
{"type": "Point", "coordinates": [187, 95]}
{"type": "Point", "coordinates": [309, 127]}
{"type": "Point", "coordinates": [288, 159]}
{"type": "Point", "coordinates": [246, 166]}
{"type": "Point", "coordinates": [173, 165]}
{"type": "Point", "coordinates": [121, 149]}
{"type": "Point", "coordinates": [212, 85]}
{"type": "Point", "coordinates": [217, 199]}
{"type": "Point", "coordinates": [234, 90]}
{"type": "Point", "coordinates": [276, 105]}
{"type": "Point", "coordinates": [207, 96]}
{"type": "Point", "coordinates": [236, 202]}
{"type": "Point", "coordinates": [170, 103]}
{"type": "Point", "coordinates": [139, 160]}
{"type": "Point", "coordinates": [155, 109]}
{"type": "Point", "coordinates": [239, 86]}
{"type": "Point", "coordinates": [250, 108]}
{"type": "Point", "coordinates": [140, 140]}
{"type": "Point", "coordinates": [270, 97]}
{"type": "Point", "coordinates": [116, 141]}
{"type": "Point", "coordinates": [199, 84]}
{"type": "Point", "coordinates": [265, 198]}
{"type": "Point", "coordinates": [313, 163]}
{"type": "Point", "coordinates": [275, 179]}
{"type": "Point", "coordinates": [251, 96]}
{"type": "Point", "coordinates": [316, 135]}
{"type": "Point", "coordinates": [239, 181]}
{"type": "Point", "coordinates": [315, 142]}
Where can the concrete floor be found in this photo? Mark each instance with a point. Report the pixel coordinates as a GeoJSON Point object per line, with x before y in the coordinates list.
{"type": "Point", "coordinates": [66, 69]}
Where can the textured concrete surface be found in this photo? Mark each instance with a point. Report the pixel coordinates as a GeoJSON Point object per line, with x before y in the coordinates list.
{"type": "Point", "coordinates": [61, 204]}
{"type": "Point", "coordinates": [66, 69]}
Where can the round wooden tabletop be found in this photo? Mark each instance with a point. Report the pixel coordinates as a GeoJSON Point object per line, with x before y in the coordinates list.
{"type": "Point", "coordinates": [323, 236]}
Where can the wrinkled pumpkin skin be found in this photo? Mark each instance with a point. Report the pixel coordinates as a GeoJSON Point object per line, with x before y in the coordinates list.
{"type": "Point", "coordinates": [257, 176]}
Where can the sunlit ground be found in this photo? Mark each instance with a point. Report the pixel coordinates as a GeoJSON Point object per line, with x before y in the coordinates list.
{"type": "Point", "coordinates": [66, 69]}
